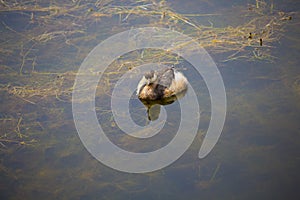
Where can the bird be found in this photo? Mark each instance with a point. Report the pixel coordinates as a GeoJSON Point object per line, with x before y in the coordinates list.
{"type": "Point", "coordinates": [162, 84]}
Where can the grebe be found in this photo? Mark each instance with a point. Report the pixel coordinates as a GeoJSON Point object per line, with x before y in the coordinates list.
{"type": "Point", "coordinates": [162, 84]}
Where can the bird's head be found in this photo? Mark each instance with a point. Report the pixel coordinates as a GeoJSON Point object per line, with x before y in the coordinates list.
{"type": "Point", "coordinates": [150, 77]}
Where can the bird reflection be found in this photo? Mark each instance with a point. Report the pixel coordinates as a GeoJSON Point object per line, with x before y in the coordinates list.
{"type": "Point", "coordinates": [153, 106]}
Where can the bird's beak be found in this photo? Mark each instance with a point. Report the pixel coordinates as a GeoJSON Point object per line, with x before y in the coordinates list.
{"type": "Point", "coordinates": [148, 82]}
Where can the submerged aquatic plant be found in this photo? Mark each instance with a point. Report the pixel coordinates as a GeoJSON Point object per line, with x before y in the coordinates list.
{"type": "Point", "coordinates": [53, 30]}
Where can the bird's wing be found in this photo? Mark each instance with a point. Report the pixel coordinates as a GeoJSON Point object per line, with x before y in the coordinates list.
{"type": "Point", "coordinates": [165, 77]}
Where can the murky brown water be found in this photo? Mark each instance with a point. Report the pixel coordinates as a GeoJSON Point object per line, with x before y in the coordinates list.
{"type": "Point", "coordinates": [41, 155]}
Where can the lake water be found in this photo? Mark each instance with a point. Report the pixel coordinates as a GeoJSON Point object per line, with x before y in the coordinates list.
{"type": "Point", "coordinates": [43, 45]}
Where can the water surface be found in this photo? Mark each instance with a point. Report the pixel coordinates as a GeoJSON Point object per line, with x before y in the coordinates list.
{"type": "Point", "coordinates": [256, 157]}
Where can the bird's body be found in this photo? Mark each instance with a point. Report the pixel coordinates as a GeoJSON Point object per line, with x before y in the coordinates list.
{"type": "Point", "coordinates": [162, 84]}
